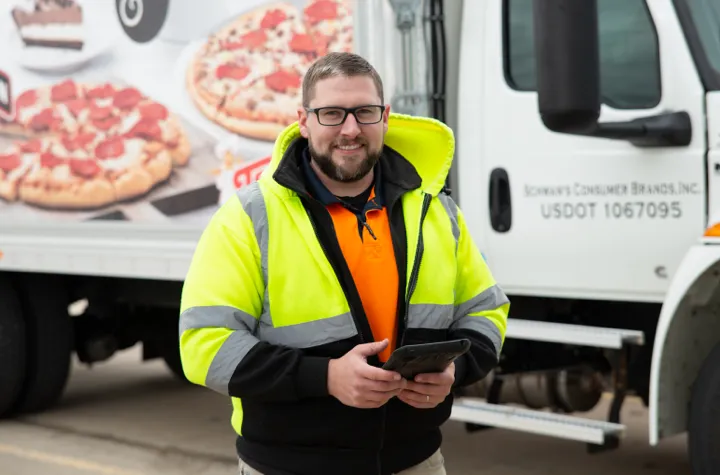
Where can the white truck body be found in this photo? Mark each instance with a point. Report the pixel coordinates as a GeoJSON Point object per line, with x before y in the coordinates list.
{"type": "Point", "coordinates": [606, 248]}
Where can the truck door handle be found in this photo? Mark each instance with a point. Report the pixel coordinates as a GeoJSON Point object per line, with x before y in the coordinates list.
{"type": "Point", "coordinates": [500, 202]}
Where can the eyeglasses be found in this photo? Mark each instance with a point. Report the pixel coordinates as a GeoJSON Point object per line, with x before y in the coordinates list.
{"type": "Point", "coordinates": [365, 115]}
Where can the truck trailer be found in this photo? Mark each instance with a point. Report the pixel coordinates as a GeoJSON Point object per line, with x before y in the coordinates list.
{"type": "Point", "coordinates": [587, 165]}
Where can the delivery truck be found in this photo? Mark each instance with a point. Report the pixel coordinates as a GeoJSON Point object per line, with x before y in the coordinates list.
{"type": "Point", "coordinates": [587, 164]}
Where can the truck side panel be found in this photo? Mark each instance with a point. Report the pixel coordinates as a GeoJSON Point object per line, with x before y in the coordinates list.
{"type": "Point", "coordinates": [134, 159]}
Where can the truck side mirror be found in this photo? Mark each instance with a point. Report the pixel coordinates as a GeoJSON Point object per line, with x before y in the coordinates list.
{"type": "Point", "coordinates": [567, 52]}
{"type": "Point", "coordinates": [568, 64]}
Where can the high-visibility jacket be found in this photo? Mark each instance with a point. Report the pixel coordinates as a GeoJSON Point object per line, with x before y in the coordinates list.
{"type": "Point", "coordinates": [268, 301]}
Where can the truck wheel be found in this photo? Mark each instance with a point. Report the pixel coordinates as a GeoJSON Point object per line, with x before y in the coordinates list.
{"type": "Point", "coordinates": [704, 423]}
{"type": "Point", "coordinates": [12, 347]}
{"type": "Point", "coordinates": [49, 342]}
{"type": "Point", "coordinates": [171, 355]}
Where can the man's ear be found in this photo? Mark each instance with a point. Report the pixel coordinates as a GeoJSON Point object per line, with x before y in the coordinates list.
{"type": "Point", "coordinates": [302, 122]}
{"type": "Point", "coordinates": [386, 117]}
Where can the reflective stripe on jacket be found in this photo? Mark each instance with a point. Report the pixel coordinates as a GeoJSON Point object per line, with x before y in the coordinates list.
{"type": "Point", "coordinates": [266, 304]}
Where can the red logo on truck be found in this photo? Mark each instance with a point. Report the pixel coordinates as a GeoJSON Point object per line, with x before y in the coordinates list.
{"type": "Point", "coordinates": [250, 172]}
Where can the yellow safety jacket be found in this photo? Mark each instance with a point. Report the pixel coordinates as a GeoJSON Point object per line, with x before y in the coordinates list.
{"type": "Point", "coordinates": [267, 302]}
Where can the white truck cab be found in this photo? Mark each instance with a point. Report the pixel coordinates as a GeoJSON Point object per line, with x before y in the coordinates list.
{"type": "Point", "coordinates": [588, 161]}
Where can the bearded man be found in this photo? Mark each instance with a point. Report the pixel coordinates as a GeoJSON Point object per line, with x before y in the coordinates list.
{"type": "Point", "coordinates": [305, 282]}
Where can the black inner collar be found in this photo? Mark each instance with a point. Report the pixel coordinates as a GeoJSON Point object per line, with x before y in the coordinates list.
{"type": "Point", "coordinates": [358, 204]}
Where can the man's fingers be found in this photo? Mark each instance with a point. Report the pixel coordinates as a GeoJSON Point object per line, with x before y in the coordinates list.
{"type": "Point", "coordinates": [420, 397]}
{"type": "Point", "coordinates": [369, 349]}
{"type": "Point", "coordinates": [379, 374]}
{"type": "Point", "coordinates": [383, 386]}
{"type": "Point", "coordinates": [420, 400]}
{"type": "Point", "coordinates": [447, 377]}
{"type": "Point", "coordinates": [377, 397]}
{"type": "Point", "coordinates": [434, 378]}
{"type": "Point", "coordinates": [416, 400]}
{"type": "Point", "coordinates": [427, 389]}
{"type": "Point", "coordinates": [374, 398]}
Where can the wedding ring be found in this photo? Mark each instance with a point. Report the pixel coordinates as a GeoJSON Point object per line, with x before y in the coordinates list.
{"type": "Point", "coordinates": [427, 398]}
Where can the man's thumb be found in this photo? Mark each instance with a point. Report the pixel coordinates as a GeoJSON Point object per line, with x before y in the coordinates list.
{"type": "Point", "coordinates": [367, 349]}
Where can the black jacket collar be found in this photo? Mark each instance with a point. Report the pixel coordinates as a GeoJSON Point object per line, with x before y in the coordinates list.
{"type": "Point", "coordinates": [396, 175]}
{"type": "Point", "coordinates": [318, 189]}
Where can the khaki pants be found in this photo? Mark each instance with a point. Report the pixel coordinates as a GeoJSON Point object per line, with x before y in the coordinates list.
{"type": "Point", "coordinates": [434, 465]}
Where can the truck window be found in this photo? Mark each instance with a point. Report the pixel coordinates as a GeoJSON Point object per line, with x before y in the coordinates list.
{"type": "Point", "coordinates": [706, 17]}
{"type": "Point", "coordinates": [629, 52]}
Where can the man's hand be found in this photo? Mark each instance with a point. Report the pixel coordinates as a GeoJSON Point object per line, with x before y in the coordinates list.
{"type": "Point", "coordinates": [355, 383]}
{"type": "Point", "coordinates": [429, 389]}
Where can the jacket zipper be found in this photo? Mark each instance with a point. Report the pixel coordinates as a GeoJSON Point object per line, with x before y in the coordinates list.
{"type": "Point", "coordinates": [416, 262]}
{"type": "Point", "coordinates": [411, 287]}
{"type": "Point", "coordinates": [327, 256]}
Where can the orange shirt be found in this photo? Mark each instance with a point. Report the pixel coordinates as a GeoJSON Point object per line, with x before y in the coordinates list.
{"type": "Point", "coordinates": [371, 261]}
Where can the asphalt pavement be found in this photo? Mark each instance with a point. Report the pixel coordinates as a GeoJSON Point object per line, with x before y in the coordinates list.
{"type": "Point", "coordinates": [125, 417]}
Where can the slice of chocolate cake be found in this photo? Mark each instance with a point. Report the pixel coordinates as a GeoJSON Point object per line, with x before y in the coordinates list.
{"type": "Point", "coordinates": [50, 23]}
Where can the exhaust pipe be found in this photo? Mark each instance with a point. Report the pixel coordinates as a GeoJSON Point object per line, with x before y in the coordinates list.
{"type": "Point", "coordinates": [568, 390]}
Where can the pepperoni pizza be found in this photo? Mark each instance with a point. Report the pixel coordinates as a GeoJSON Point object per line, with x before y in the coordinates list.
{"type": "Point", "coordinates": [88, 145]}
{"type": "Point", "coordinates": [247, 77]}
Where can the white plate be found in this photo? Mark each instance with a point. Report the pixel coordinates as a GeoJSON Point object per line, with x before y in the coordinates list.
{"type": "Point", "coordinates": [58, 60]}
{"type": "Point", "coordinates": [184, 105]}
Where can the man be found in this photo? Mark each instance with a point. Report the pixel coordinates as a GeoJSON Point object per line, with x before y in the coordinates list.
{"type": "Point", "coordinates": [304, 284]}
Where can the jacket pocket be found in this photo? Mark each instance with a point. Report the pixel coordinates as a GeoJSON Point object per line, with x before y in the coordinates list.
{"type": "Point", "coordinates": [312, 423]}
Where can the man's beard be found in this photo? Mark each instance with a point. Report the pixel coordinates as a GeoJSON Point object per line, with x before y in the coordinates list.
{"type": "Point", "coordinates": [324, 161]}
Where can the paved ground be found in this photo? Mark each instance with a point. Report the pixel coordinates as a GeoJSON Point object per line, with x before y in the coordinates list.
{"type": "Point", "coordinates": [128, 418]}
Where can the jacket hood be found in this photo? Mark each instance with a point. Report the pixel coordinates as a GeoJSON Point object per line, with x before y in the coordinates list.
{"type": "Point", "coordinates": [428, 144]}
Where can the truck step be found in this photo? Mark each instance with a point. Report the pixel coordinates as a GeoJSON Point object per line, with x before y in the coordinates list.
{"type": "Point", "coordinates": [581, 335]}
{"type": "Point", "coordinates": [561, 426]}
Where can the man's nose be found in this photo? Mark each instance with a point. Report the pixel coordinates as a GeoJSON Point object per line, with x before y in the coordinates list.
{"type": "Point", "coordinates": [350, 127]}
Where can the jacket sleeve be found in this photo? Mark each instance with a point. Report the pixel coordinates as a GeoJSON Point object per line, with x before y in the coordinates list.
{"type": "Point", "coordinates": [222, 300]}
{"type": "Point", "coordinates": [481, 310]}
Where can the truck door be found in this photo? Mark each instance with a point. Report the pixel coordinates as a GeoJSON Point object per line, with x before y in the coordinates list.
{"type": "Point", "coordinates": [557, 214]}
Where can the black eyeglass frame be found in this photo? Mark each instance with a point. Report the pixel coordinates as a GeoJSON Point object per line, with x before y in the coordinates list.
{"type": "Point", "coordinates": [347, 110]}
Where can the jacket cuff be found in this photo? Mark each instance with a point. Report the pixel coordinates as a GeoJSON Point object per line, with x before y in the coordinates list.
{"type": "Point", "coordinates": [460, 370]}
{"type": "Point", "coordinates": [311, 377]}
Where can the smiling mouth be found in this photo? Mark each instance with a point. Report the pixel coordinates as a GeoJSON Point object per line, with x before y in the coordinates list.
{"type": "Point", "coordinates": [349, 148]}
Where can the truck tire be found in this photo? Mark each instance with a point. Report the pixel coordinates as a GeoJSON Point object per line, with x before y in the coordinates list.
{"type": "Point", "coordinates": [704, 420]}
{"type": "Point", "coordinates": [171, 356]}
{"type": "Point", "coordinates": [49, 341]}
{"type": "Point", "coordinates": [12, 347]}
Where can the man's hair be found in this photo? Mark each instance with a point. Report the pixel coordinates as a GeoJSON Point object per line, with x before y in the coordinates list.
{"type": "Point", "coordinates": [338, 64]}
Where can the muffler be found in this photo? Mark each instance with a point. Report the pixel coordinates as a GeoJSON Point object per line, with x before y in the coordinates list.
{"type": "Point", "coordinates": [577, 389]}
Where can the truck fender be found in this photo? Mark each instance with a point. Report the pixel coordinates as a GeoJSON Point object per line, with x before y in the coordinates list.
{"type": "Point", "coordinates": [687, 330]}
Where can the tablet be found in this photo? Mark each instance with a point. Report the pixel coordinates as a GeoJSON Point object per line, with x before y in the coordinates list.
{"type": "Point", "coordinates": [411, 360]}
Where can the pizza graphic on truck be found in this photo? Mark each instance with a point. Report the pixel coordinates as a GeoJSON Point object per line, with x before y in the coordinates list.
{"type": "Point", "coordinates": [87, 136]}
